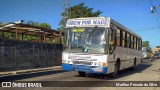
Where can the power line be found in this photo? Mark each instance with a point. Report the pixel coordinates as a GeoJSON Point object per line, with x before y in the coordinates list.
{"type": "Point", "coordinates": [156, 13]}
{"type": "Point", "coordinates": [148, 29]}
{"type": "Point", "coordinates": [156, 17]}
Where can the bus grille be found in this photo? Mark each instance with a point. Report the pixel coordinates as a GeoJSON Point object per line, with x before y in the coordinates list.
{"type": "Point", "coordinates": [82, 62]}
{"type": "Point", "coordinates": [80, 57]}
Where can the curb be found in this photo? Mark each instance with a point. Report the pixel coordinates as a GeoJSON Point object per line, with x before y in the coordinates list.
{"type": "Point", "coordinates": [30, 70]}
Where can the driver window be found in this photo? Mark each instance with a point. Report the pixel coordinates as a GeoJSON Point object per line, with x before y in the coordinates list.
{"type": "Point", "coordinates": [112, 40]}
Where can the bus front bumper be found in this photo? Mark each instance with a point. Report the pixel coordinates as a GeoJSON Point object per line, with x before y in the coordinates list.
{"type": "Point", "coordinates": [83, 68]}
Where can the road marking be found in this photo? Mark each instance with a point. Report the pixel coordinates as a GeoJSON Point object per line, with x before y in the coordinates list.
{"type": "Point", "coordinates": [155, 61]}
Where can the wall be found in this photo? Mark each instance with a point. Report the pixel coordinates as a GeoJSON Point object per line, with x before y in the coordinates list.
{"type": "Point", "coordinates": [18, 55]}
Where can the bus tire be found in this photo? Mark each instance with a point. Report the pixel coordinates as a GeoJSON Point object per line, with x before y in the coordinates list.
{"type": "Point", "coordinates": [134, 65]}
{"type": "Point", "coordinates": [114, 74]}
{"type": "Point", "coordinates": [83, 74]}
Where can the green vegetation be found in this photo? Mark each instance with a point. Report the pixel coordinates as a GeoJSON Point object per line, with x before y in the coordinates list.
{"type": "Point", "coordinates": [10, 35]}
{"type": "Point", "coordinates": [77, 11]}
{"type": "Point", "coordinates": [42, 25]}
{"type": "Point", "coordinates": [25, 37]}
{"type": "Point", "coordinates": [145, 44]}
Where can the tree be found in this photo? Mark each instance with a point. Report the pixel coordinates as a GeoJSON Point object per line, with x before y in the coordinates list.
{"type": "Point", "coordinates": [77, 11]}
{"type": "Point", "coordinates": [145, 44]}
{"type": "Point", "coordinates": [31, 23]}
{"type": "Point", "coordinates": [37, 24]}
{"type": "Point", "coordinates": [157, 46]}
{"type": "Point", "coordinates": [43, 25]}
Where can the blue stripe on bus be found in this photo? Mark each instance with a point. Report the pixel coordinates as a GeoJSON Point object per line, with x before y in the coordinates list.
{"type": "Point", "coordinates": [67, 67]}
{"type": "Point", "coordinates": [83, 68]}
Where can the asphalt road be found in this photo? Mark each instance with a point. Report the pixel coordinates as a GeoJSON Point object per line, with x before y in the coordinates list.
{"type": "Point", "coordinates": [147, 71]}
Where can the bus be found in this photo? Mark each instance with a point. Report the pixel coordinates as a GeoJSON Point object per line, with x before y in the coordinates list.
{"type": "Point", "coordinates": [99, 45]}
{"type": "Point", "coordinates": [146, 52]}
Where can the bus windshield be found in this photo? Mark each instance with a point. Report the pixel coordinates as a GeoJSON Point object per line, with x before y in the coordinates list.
{"type": "Point", "coordinates": [89, 40]}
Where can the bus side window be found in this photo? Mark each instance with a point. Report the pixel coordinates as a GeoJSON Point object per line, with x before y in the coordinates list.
{"type": "Point", "coordinates": [131, 41]}
{"type": "Point", "coordinates": [110, 35]}
{"type": "Point", "coordinates": [135, 42]}
{"type": "Point", "coordinates": [128, 40]}
{"type": "Point", "coordinates": [140, 44]}
{"type": "Point", "coordinates": [118, 37]}
{"type": "Point", "coordinates": [112, 40]}
{"type": "Point", "coordinates": [123, 39]}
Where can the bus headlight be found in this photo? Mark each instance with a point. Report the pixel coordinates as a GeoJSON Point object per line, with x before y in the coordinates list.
{"type": "Point", "coordinates": [71, 61]}
{"type": "Point", "coordinates": [104, 64]}
{"type": "Point", "coordinates": [99, 63]}
{"type": "Point", "coordinates": [95, 63]}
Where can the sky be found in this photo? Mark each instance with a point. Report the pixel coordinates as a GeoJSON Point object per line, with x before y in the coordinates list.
{"type": "Point", "coordinates": [134, 14]}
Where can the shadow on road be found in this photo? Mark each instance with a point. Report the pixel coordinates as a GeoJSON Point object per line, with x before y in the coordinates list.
{"type": "Point", "coordinates": [29, 75]}
{"type": "Point", "coordinates": [128, 71]}
{"type": "Point", "coordinates": [123, 73]}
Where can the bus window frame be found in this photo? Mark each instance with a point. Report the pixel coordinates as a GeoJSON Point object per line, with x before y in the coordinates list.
{"type": "Point", "coordinates": [114, 41]}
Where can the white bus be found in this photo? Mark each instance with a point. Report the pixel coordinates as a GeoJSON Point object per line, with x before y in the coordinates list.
{"type": "Point", "coordinates": [146, 53]}
{"type": "Point", "coordinates": [99, 45]}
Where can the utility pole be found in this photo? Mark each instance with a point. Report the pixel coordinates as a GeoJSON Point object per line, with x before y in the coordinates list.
{"type": "Point", "coordinates": [153, 8]}
{"type": "Point", "coordinates": [67, 13]}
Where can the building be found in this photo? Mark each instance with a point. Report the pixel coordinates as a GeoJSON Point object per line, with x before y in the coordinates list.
{"type": "Point", "coordinates": [156, 50]}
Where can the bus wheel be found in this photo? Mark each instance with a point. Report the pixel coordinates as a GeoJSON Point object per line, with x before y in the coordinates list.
{"type": "Point", "coordinates": [134, 65]}
{"type": "Point", "coordinates": [114, 74]}
{"type": "Point", "coordinates": [83, 74]}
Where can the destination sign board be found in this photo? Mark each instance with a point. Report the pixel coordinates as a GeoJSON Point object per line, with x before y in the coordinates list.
{"type": "Point", "coordinates": [87, 22]}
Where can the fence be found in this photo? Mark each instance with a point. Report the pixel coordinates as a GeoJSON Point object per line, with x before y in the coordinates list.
{"type": "Point", "coordinates": [18, 55]}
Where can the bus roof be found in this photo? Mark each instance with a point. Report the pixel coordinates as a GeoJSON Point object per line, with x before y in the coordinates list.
{"type": "Point", "coordinates": [109, 21]}
{"type": "Point", "coordinates": [123, 27]}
